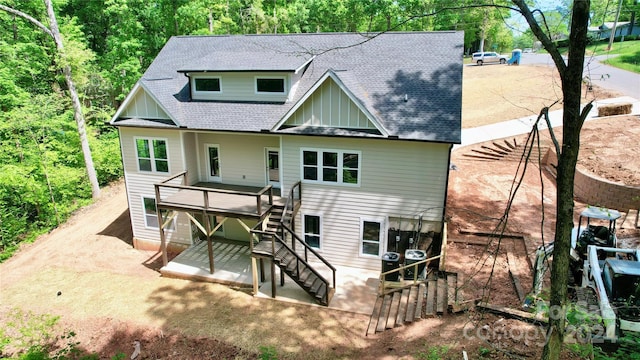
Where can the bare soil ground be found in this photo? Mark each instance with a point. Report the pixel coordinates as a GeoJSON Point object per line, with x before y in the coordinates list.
{"type": "Point", "coordinates": [110, 294]}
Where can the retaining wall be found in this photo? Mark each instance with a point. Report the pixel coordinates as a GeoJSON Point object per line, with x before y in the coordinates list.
{"type": "Point", "coordinates": [597, 191]}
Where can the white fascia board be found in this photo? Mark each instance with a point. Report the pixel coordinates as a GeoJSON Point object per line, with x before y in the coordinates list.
{"type": "Point", "coordinates": [137, 87]}
{"type": "Point", "coordinates": [301, 67]}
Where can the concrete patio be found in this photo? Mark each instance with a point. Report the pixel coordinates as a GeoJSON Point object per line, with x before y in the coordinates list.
{"type": "Point", "coordinates": [356, 289]}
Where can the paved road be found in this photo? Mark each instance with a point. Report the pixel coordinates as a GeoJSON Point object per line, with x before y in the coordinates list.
{"type": "Point", "coordinates": [600, 74]}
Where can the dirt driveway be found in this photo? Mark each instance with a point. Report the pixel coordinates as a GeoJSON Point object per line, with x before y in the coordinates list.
{"type": "Point", "coordinates": [110, 294]}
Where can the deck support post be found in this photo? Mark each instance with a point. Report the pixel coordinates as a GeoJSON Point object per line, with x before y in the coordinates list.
{"type": "Point", "coordinates": [207, 225]}
{"type": "Point", "coordinates": [281, 278]}
{"type": "Point", "coordinates": [254, 273]}
{"type": "Point", "coordinates": [163, 240]}
{"type": "Point", "coordinates": [273, 279]}
{"type": "Point", "coordinates": [262, 270]}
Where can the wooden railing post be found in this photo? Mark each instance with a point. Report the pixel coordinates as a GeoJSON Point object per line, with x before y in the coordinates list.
{"type": "Point", "coordinates": [334, 279]}
{"type": "Point", "coordinates": [163, 240]}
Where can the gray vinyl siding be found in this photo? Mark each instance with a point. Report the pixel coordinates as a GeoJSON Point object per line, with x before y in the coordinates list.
{"type": "Point", "coordinates": [240, 86]}
{"type": "Point", "coordinates": [329, 106]}
{"type": "Point", "coordinates": [141, 184]}
{"type": "Point", "coordinates": [143, 106]}
{"type": "Point", "coordinates": [242, 157]}
{"type": "Point", "coordinates": [399, 179]}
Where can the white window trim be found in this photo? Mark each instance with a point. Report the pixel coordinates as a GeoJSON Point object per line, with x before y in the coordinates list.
{"type": "Point", "coordinates": [196, 77]}
{"type": "Point", "coordinates": [151, 154]}
{"type": "Point", "coordinates": [284, 80]}
{"type": "Point", "coordinates": [383, 236]}
{"type": "Point", "coordinates": [170, 228]}
{"type": "Point", "coordinates": [208, 166]}
{"type": "Point", "coordinates": [340, 167]}
{"type": "Point", "coordinates": [304, 231]}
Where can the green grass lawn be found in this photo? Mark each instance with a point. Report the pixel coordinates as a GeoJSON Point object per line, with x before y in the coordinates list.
{"type": "Point", "coordinates": [627, 54]}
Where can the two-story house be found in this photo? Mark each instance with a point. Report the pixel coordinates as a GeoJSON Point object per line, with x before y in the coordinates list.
{"type": "Point", "coordinates": [334, 147]}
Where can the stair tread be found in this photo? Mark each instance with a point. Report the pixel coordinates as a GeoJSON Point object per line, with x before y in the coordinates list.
{"type": "Point", "coordinates": [411, 304]}
{"type": "Point", "coordinates": [402, 310]}
{"type": "Point", "coordinates": [393, 312]}
{"type": "Point", "coordinates": [384, 313]}
{"type": "Point", "coordinates": [373, 320]}
{"type": "Point", "coordinates": [321, 291]}
{"type": "Point", "coordinates": [431, 296]}
{"type": "Point", "coordinates": [316, 285]}
{"type": "Point", "coordinates": [441, 295]}
{"type": "Point", "coordinates": [422, 288]}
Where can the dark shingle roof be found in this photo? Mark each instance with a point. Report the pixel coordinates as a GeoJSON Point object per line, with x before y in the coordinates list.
{"type": "Point", "coordinates": [410, 82]}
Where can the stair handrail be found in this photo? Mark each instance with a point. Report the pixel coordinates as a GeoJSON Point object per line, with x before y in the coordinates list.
{"type": "Point", "coordinates": [299, 259]}
{"type": "Point", "coordinates": [290, 204]}
{"type": "Point", "coordinates": [383, 288]}
{"type": "Point", "coordinates": [308, 248]}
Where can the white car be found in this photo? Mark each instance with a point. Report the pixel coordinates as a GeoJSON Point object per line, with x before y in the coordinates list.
{"type": "Point", "coordinates": [488, 57]}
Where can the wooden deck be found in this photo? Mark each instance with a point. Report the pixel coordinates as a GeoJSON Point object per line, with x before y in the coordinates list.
{"type": "Point", "coordinates": [215, 198]}
{"type": "Point", "coordinates": [218, 203]}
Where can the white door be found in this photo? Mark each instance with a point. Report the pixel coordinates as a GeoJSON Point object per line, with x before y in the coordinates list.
{"type": "Point", "coordinates": [273, 167]}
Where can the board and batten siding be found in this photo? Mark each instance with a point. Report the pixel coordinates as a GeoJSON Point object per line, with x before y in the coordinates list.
{"type": "Point", "coordinates": [143, 106]}
{"type": "Point", "coordinates": [141, 184]}
{"type": "Point", "coordinates": [241, 86]}
{"type": "Point", "coordinates": [398, 179]}
{"type": "Point", "coordinates": [329, 106]}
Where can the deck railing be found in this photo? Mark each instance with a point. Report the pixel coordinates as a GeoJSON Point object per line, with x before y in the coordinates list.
{"type": "Point", "coordinates": [387, 286]}
{"type": "Point", "coordinates": [266, 191]}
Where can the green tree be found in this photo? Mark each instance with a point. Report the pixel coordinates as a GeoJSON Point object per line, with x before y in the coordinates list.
{"type": "Point", "coordinates": [54, 32]}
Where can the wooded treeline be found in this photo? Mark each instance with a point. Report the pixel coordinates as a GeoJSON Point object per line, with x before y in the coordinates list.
{"type": "Point", "coordinates": [109, 44]}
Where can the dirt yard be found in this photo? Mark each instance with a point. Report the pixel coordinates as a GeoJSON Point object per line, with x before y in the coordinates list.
{"type": "Point", "coordinates": [110, 294]}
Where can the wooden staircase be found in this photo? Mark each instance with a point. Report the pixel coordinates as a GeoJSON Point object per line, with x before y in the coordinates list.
{"type": "Point", "coordinates": [438, 294]}
{"type": "Point", "coordinates": [291, 262]}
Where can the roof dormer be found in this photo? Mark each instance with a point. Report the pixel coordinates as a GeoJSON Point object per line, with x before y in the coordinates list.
{"type": "Point", "coordinates": [218, 77]}
{"type": "Point", "coordinates": [245, 86]}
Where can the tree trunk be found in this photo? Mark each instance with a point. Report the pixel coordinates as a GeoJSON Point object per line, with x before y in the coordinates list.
{"type": "Point", "coordinates": [77, 107]}
{"type": "Point", "coordinates": [572, 122]}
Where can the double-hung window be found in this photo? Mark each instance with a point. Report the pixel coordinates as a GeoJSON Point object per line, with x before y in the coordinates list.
{"type": "Point", "coordinates": [152, 155]}
{"type": "Point", "coordinates": [151, 215]}
{"type": "Point", "coordinates": [331, 166]}
{"type": "Point", "coordinates": [371, 235]}
{"type": "Point", "coordinates": [312, 230]}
